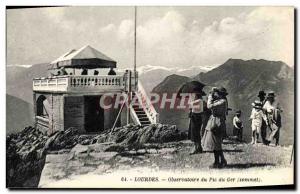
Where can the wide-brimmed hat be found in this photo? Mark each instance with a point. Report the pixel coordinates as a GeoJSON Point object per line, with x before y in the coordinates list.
{"type": "Point", "coordinates": [261, 93]}
{"type": "Point", "coordinates": [238, 112]}
{"type": "Point", "coordinates": [271, 94]}
{"type": "Point", "coordinates": [257, 104]}
{"type": "Point", "coordinates": [222, 91]}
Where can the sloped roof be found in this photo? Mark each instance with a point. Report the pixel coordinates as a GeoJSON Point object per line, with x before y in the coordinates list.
{"type": "Point", "coordinates": [85, 57]}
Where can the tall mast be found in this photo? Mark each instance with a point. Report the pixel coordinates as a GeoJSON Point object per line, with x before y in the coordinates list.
{"type": "Point", "coordinates": [134, 68]}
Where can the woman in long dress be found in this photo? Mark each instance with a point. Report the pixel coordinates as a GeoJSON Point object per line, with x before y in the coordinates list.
{"type": "Point", "coordinates": [214, 131]}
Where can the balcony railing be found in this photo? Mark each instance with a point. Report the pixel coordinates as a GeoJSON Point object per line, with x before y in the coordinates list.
{"type": "Point", "coordinates": [81, 83]}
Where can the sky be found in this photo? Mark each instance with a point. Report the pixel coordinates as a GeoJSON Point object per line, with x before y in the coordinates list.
{"type": "Point", "coordinates": [166, 36]}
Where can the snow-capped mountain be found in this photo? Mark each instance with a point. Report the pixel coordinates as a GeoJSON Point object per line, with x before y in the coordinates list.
{"type": "Point", "coordinates": [193, 70]}
{"type": "Point", "coordinates": [150, 75]}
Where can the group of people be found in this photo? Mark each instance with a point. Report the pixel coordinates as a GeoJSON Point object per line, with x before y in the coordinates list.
{"type": "Point", "coordinates": [207, 127]}
{"type": "Point", "coordinates": [265, 114]}
{"type": "Point", "coordinates": [84, 71]}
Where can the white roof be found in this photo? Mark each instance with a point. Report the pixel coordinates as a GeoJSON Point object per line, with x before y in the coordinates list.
{"type": "Point", "coordinates": [86, 52]}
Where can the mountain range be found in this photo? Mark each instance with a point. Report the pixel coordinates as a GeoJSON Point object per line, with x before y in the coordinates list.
{"type": "Point", "coordinates": [19, 114]}
{"type": "Point", "coordinates": [243, 79]}
{"type": "Point", "coordinates": [19, 80]}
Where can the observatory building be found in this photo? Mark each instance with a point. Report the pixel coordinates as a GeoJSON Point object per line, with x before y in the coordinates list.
{"type": "Point", "coordinates": [70, 97]}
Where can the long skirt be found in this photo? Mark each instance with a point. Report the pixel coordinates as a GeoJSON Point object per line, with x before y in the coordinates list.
{"type": "Point", "coordinates": [195, 127]}
{"type": "Point", "coordinates": [212, 138]}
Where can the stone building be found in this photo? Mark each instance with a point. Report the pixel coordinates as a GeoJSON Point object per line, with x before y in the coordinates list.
{"type": "Point", "coordinates": [70, 97]}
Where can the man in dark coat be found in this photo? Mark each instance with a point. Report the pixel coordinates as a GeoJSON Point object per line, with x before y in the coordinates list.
{"type": "Point", "coordinates": [263, 129]}
{"type": "Point", "coordinates": [197, 119]}
{"type": "Point", "coordinates": [273, 111]}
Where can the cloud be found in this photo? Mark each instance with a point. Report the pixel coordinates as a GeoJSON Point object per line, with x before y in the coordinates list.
{"type": "Point", "coordinates": [171, 40]}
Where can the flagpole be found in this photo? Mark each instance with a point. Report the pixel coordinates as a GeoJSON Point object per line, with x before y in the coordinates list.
{"type": "Point", "coordinates": [130, 74]}
{"type": "Point", "coordinates": [134, 68]}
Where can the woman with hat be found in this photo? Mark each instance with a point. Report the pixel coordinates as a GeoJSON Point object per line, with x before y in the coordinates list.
{"type": "Point", "coordinates": [214, 131]}
{"type": "Point", "coordinates": [257, 116]}
{"type": "Point", "coordinates": [238, 125]}
{"type": "Point", "coordinates": [273, 111]}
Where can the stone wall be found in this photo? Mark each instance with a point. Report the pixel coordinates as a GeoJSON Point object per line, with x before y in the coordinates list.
{"type": "Point", "coordinates": [56, 119]}
{"type": "Point", "coordinates": [74, 112]}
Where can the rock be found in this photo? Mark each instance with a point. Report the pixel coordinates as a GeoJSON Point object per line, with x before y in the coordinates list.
{"type": "Point", "coordinates": [105, 156]}
{"type": "Point", "coordinates": [133, 152]}
{"type": "Point", "coordinates": [101, 147]}
{"type": "Point", "coordinates": [56, 158]}
{"type": "Point", "coordinates": [125, 160]}
{"type": "Point", "coordinates": [141, 151]}
{"type": "Point", "coordinates": [167, 150]}
{"type": "Point", "coordinates": [78, 149]}
{"type": "Point", "coordinates": [135, 135]}
{"type": "Point", "coordinates": [25, 157]}
{"type": "Point", "coordinates": [152, 151]}
{"type": "Point", "coordinates": [102, 168]}
{"type": "Point", "coordinates": [115, 148]}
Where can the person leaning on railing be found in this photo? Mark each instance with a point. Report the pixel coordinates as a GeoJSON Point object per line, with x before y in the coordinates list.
{"type": "Point", "coordinates": [112, 72]}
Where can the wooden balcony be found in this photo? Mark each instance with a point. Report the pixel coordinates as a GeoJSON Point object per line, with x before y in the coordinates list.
{"type": "Point", "coordinates": [82, 83]}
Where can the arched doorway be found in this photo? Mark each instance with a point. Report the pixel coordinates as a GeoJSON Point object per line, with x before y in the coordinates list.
{"type": "Point", "coordinates": [41, 110]}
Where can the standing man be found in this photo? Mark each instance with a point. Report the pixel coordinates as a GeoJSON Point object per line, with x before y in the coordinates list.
{"type": "Point", "coordinates": [196, 120]}
{"type": "Point", "coordinates": [263, 129]}
{"type": "Point", "coordinates": [272, 109]}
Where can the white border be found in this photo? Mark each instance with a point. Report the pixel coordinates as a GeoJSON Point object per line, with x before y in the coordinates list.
{"type": "Point", "coordinates": [3, 3]}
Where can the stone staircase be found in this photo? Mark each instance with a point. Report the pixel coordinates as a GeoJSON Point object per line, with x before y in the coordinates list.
{"type": "Point", "coordinates": [142, 111]}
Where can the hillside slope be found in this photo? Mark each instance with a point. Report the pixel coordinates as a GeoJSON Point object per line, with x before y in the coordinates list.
{"type": "Point", "coordinates": [19, 80]}
{"type": "Point", "coordinates": [19, 114]}
{"type": "Point", "coordinates": [243, 80]}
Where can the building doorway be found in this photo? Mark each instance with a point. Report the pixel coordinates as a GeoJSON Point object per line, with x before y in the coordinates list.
{"type": "Point", "coordinates": [93, 114]}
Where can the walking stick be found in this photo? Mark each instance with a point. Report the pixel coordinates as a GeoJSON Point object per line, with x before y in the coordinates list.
{"type": "Point", "coordinates": [292, 154]}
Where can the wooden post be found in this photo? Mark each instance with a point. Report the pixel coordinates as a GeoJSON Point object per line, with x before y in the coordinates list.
{"type": "Point", "coordinates": [34, 109]}
{"type": "Point", "coordinates": [129, 96]}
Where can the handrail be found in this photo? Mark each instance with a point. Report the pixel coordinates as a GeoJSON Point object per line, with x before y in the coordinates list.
{"type": "Point", "coordinates": [146, 104]}
{"type": "Point", "coordinates": [134, 116]}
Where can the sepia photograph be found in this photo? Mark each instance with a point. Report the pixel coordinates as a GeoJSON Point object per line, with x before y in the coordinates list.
{"type": "Point", "coordinates": [150, 97]}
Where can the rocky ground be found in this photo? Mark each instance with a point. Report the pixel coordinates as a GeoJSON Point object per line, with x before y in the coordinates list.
{"type": "Point", "coordinates": [34, 159]}
{"type": "Point", "coordinates": [72, 168]}
{"type": "Point", "coordinates": [26, 150]}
